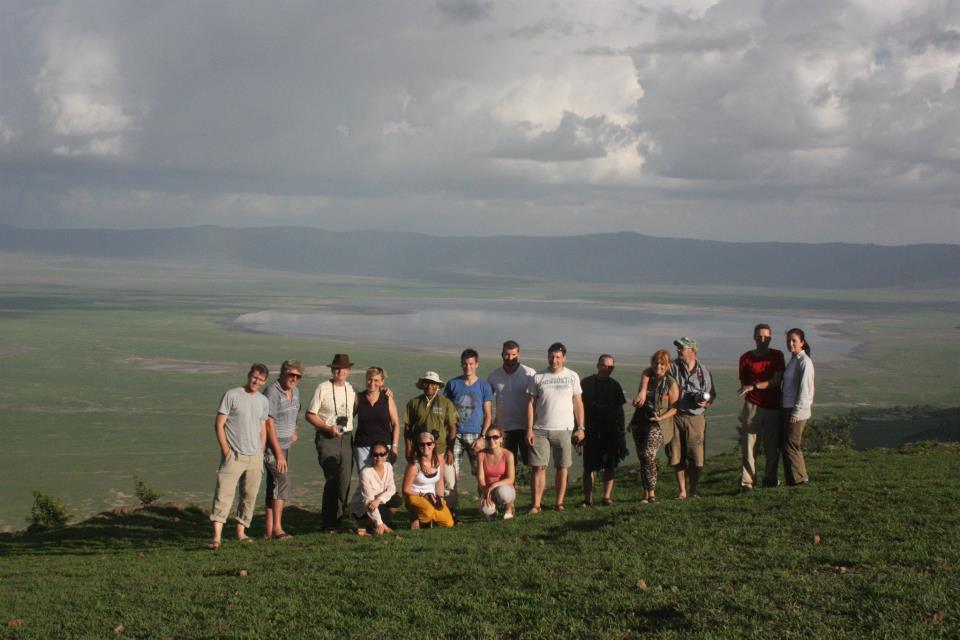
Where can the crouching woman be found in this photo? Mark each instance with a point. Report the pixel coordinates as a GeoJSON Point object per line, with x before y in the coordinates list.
{"type": "Point", "coordinates": [376, 498]}
{"type": "Point", "coordinates": [423, 486]}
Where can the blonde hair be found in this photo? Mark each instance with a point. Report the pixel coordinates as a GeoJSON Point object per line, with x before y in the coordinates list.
{"type": "Point", "coordinates": [376, 371]}
{"type": "Point", "coordinates": [291, 365]}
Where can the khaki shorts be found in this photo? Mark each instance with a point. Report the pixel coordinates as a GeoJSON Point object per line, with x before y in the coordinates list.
{"type": "Point", "coordinates": [687, 446]}
{"type": "Point", "coordinates": [545, 441]}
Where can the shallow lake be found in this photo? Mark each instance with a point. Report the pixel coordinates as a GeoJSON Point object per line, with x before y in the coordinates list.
{"type": "Point", "coordinates": [629, 331]}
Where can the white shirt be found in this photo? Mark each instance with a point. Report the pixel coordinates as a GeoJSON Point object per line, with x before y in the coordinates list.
{"type": "Point", "coordinates": [330, 402]}
{"type": "Point", "coordinates": [553, 393]}
{"type": "Point", "coordinates": [798, 386]}
{"type": "Point", "coordinates": [510, 390]}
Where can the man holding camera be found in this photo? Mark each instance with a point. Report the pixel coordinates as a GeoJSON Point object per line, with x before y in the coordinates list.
{"type": "Point", "coordinates": [761, 370]}
{"type": "Point", "coordinates": [331, 413]}
{"type": "Point", "coordinates": [690, 424]}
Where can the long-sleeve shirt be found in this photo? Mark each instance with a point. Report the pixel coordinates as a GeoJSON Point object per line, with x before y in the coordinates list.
{"type": "Point", "coordinates": [798, 386]}
{"type": "Point", "coordinates": [373, 487]}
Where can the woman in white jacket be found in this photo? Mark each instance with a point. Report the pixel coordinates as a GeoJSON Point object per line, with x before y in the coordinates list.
{"type": "Point", "coordinates": [797, 403]}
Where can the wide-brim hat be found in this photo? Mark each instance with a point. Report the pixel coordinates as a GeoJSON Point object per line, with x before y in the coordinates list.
{"type": "Point", "coordinates": [429, 376]}
{"type": "Point", "coordinates": [685, 342]}
{"type": "Point", "coordinates": [341, 361]}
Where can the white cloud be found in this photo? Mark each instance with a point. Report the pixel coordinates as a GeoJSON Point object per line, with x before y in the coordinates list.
{"type": "Point", "coordinates": [677, 118]}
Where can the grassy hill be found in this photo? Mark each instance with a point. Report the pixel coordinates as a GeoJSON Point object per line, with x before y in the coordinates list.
{"type": "Point", "coordinates": [868, 550]}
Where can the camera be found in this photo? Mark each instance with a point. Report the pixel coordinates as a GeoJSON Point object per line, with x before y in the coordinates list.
{"type": "Point", "coordinates": [342, 422]}
{"type": "Point", "coordinates": [701, 396]}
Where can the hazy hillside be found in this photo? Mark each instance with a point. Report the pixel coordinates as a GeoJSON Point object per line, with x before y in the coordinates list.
{"type": "Point", "coordinates": [617, 257]}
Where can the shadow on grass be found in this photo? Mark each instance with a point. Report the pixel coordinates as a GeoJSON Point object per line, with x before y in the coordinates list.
{"type": "Point", "coordinates": [140, 528]}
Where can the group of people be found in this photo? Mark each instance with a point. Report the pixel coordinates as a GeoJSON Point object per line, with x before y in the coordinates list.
{"type": "Point", "coordinates": [515, 414]}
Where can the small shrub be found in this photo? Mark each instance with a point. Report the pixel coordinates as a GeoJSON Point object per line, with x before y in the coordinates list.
{"type": "Point", "coordinates": [47, 512]}
{"type": "Point", "coordinates": [144, 492]}
{"type": "Point", "coordinates": [831, 433]}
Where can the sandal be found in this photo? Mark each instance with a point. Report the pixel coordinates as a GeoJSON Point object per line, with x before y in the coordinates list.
{"type": "Point", "coordinates": [645, 501]}
{"type": "Point", "coordinates": [283, 536]}
{"type": "Point", "coordinates": [652, 499]}
{"type": "Point", "coordinates": [534, 510]}
{"type": "Point", "coordinates": [245, 540]}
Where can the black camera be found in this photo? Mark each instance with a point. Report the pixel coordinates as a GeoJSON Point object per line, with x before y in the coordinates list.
{"type": "Point", "coordinates": [701, 396]}
{"type": "Point", "coordinates": [342, 421]}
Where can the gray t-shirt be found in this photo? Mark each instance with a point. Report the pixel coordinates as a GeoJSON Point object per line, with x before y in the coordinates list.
{"type": "Point", "coordinates": [284, 412]}
{"type": "Point", "coordinates": [244, 413]}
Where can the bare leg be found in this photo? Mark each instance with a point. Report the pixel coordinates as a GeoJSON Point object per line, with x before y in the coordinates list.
{"type": "Point", "coordinates": [538, 480]}
{"type": "Point", "coordinates": [588, 488]}
{"type": "Point", "coordinates": [241, 532]}
{"type": "Point", "coordinates": [217, 532]}
{"type": "Point", "coordinates": [681, 480]}
{"type": "Point", "coordinates": [694, 473]}
{"type": "Point", "coordinates": [268, 523]}
{"type": "Point", "coordinates": [608, 477]}
{"type": "Point", "coordinates": [277, 517]}
{"type": "Point", "coordinates": [561, 481]}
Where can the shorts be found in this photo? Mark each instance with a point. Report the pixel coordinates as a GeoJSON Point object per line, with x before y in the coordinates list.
{"type": "Point", "coordinates": [597, 455]}
{"type": "Point", "coordinates": [515, 442]}
{"type": "Point", "coordinates": [556, 441]}
{"type": "Point", "coordinates": [278, 484]}
{"type": "Point", "coordinates": [687, 446]}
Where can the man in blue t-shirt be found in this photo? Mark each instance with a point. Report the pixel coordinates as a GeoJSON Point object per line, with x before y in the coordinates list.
{"type": "Point", "coordinates": [473, 399]}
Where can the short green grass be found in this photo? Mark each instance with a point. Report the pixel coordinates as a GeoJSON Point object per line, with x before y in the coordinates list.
{"type": "Point", "coordinates": [869, 549]}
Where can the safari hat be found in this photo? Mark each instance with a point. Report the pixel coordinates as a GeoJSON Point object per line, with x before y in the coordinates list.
{"type": "Point", "coordinates": [429, 376]}
{"type": "Point", "coordinates": [341, 361]}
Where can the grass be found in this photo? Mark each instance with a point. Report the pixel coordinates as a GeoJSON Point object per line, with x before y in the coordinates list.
{"type": "Point", "coordinates": [868, 550]}
{"type": "Point", "coordinates": [83, 416]}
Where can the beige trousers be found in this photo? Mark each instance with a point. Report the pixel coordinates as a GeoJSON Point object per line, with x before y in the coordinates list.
{"type": "Point", "coordinates": [236, 469]}
{"type": "Point", "coordinates": [759, 425]}
{"type": "Point", "coordinates": [794, 466]}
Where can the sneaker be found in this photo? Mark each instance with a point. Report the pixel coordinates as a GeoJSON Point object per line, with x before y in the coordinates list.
{"type": "Point", "coordinates": [508, 515]}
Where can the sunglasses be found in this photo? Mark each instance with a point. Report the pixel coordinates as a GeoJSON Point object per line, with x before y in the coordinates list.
{"type": "Point", "coordinates": [493, 437]}
{"type": "Point", "coordinates": [382, 454]}
{"type": "Point", "coordinates": [425, 444]}
{"type": "Point", "coordinates": [295, 376]}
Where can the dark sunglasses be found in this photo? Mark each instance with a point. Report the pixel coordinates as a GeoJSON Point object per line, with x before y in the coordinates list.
{"type": "Point", "coordinates": [493, 437]}
{"type": "Point", "coordinates": [382, 454]}
{"type": "Point", "coordinates": [295, 375]}
{"type": "Point", "coordinates": [425, 444]}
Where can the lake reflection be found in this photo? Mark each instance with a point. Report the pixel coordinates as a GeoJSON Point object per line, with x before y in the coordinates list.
{"type": "Point", "coordinates": [630, 332]}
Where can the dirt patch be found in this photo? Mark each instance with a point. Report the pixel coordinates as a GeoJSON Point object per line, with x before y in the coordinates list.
{"type": "Point", "coordinates": [173, 365]}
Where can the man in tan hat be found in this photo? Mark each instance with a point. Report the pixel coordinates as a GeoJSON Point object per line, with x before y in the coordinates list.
{"type": "Point", "coordinates": [331, 413]}
{"type": "Point", "coordinates": [431, 412]}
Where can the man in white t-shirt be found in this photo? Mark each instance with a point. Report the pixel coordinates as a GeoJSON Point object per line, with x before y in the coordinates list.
{"type": "Point", "coordinates": [510, 384]}
{"type": "Point", "coordinates": [554, 418]}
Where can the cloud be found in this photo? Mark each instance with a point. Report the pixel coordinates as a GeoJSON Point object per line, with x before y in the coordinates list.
{"type": "Point", "coordinates": [687, 117]}
{"type": "Point", "coordinates": [465, 11]}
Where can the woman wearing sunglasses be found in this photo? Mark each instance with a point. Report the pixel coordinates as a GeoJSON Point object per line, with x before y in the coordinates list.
{"type": "Point", "coordinates": [423, 486]}
{"type": "Point", "coordinates": [376, 498]}
{"type": "Point", "coordinates": [496, 472]}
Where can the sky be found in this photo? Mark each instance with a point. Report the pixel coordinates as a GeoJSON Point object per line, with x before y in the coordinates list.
{"type": "Point", "coordinates": [735, 120]}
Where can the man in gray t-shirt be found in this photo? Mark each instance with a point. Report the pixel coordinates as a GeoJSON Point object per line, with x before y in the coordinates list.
{"type": "Point", "coordinates": [241, 428]}
{"type": "Point", "coordinates": [284, 398]}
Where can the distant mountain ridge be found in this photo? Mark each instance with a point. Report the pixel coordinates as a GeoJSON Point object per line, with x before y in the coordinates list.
{"type": "Point", "coordinates": [624, 257]}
